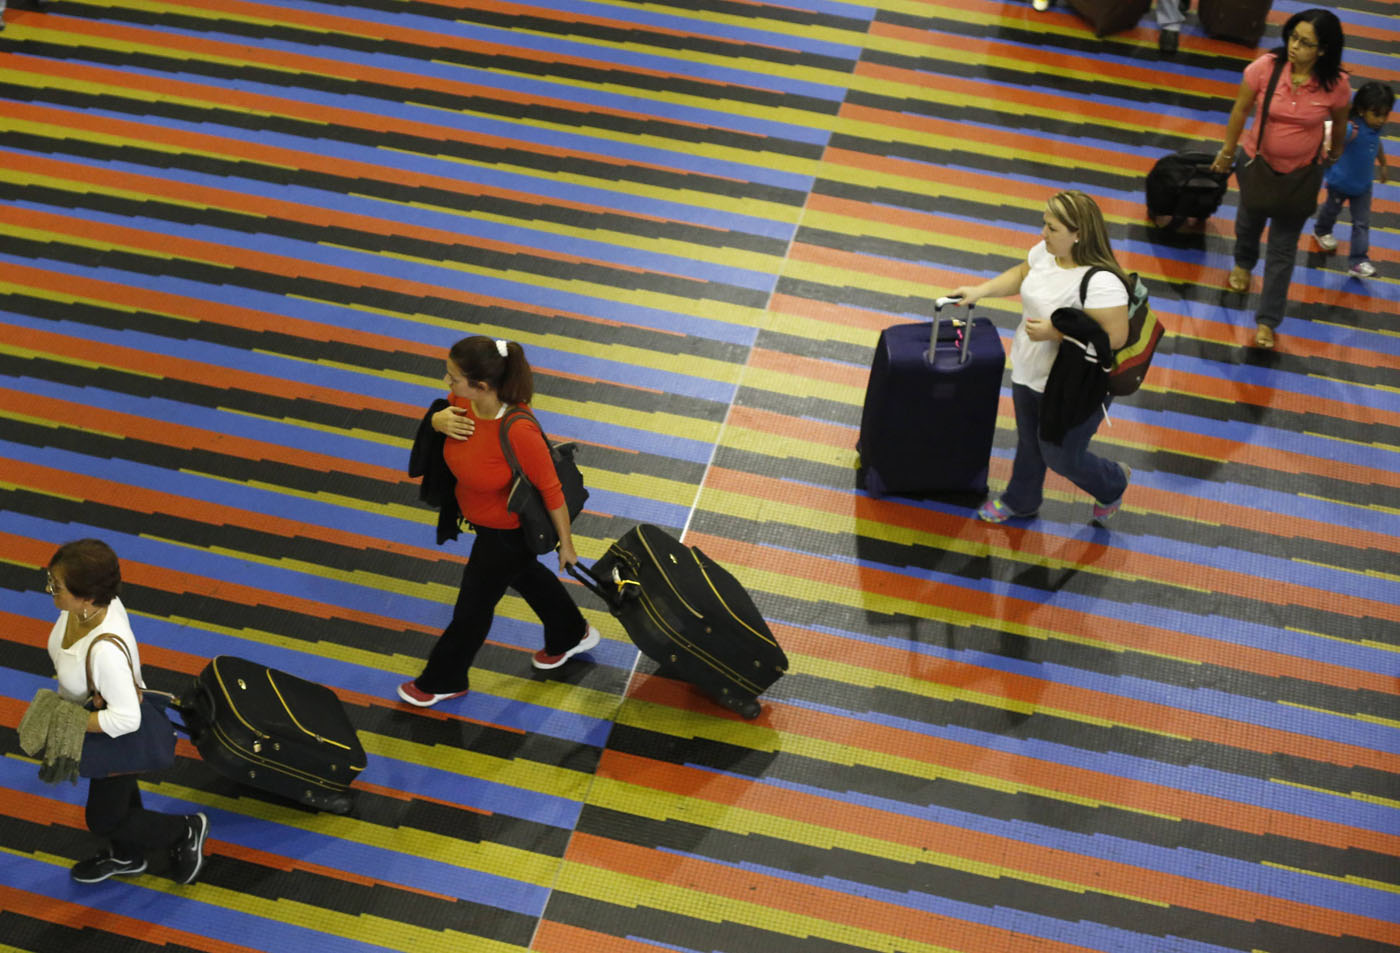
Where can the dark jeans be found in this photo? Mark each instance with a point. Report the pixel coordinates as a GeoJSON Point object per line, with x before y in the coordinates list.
{"type": "Point", "coordinates": [499, 561]}
{"type": "Point", "coordinates": [1278, 261]}
{"type": "Point", "coordinates": [114, 811]}
{"type": "Point", "coordinates": [1102, 479]}
{"type": "Point", "coordinates": [1360, 221]}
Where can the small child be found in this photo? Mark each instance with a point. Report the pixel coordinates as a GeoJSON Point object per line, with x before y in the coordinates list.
{"type": "Point", "coordinates": [1350, 177]}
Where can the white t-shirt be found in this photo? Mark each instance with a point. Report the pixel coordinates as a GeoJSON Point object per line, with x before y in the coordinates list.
{"type": "Point", "coordinates": [111, 676]}
{"type": "Point", "coordinates": [1046, 288]}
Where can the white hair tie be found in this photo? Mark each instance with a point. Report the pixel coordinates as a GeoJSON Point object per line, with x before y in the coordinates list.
{"type": "Point", "coordinates": [501, 347]}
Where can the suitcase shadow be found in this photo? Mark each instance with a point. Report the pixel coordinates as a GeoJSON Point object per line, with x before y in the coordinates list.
{"type": "Point", "coordinates": [1024, 592]}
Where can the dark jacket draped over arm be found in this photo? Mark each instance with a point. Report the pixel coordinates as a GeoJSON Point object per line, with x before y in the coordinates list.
{"type": "Point", "coordinates": [1078, 381]}
{"type": "Point", "coordinates": [438, 487]}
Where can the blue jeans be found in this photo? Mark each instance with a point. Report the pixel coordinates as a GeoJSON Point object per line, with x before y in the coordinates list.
{"type": "Point", "coordinates": [1102, 479]}
{"type": "Point", "coordinates": [1360, 221]}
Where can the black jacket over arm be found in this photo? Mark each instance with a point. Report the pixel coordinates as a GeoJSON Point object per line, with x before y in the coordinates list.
{"type": "Point", "coordinates": [439, 486]}
{"type": "Point", "coordinates": [1078, 382]}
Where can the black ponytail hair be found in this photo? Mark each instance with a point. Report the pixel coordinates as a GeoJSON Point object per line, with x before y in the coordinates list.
{"type": "Point", "coordinates": [480, 360]}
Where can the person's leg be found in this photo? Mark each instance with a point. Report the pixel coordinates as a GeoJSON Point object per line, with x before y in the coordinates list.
{"type": "Point", "coordinates": [564, 625]}
{"type": "Point", "coordinates": [115, 812]}
{"type": "Point", "coordinates": [1101, 478]}
{"type": "Point", "coordinates": [1249, 226]}
{"type": "Point", "coordinates": [1327, 218]}
{"type": "Point", "coordinates": [1023, 494]}
{"type": "Point", "coordinates": [1169, 20]}
{"type": "Point", "coordinates": [1360, 228]}
{"type": "Point", "coordinates": [1279, 261]}
{"type": "Point", "coordinates": [489, 570]}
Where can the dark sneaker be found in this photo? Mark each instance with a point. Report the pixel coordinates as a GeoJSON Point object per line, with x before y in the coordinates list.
{"type": "Point", "coordinates": [543, 659]}
{"type": "Point", "coordinates": [411, 693]}
{"type": "Point", "coordinates": [97, 869]}
{"type": "Point", "coordinates": [187, 857]}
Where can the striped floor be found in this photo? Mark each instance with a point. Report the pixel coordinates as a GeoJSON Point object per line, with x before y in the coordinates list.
{"type": "Point", "coordinates": [235, 241]}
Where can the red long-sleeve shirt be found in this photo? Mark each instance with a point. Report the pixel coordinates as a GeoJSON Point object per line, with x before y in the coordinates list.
{"type": "Point", "coordinates": [483, 476]}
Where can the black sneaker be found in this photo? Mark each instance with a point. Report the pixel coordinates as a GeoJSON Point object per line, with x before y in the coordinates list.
{"type": "Point", "coordinates": [187, 857]}
{"type": "Point", "coordinates": [97, 869]}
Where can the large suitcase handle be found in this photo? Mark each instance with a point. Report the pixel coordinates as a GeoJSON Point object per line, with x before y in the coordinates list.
{"type": "Point", "coordinates": [938, 318]}
{"type": "Point", "coordinates": [594, 583]}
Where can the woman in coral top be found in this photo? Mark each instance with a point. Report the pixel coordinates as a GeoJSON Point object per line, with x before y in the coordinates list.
{"type": "Point", "coordinates": [485, 378]}
{"type": "Point", "coordinates": [1312, 88]}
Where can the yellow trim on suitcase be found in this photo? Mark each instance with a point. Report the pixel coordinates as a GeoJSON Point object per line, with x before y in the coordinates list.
{"type": "Point", "coordinates": [293, 717]}
{"type": "Point", "coordinates": [228, 697]}
{"type": "Point", "coordinates": [253, 758]}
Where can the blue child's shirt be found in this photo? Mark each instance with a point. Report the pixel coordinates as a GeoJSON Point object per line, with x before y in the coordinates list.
{"type": "Point", "coordinates": [1354, 172]}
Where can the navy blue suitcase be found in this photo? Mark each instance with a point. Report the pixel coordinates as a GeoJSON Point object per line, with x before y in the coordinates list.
{"type": "Point", "coordinates": [931, 411]}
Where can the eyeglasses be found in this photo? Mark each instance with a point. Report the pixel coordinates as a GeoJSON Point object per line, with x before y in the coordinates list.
{"type": "Point", "coordinates": [50, 586]}
{"type": "Point", "coordinates": [1304, 43]}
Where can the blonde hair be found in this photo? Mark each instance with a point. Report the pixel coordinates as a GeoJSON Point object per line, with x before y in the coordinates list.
{"type": "Point", "coordinates": [1080, 214]}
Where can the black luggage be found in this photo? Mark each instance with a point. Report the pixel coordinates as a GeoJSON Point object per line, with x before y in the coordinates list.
{"type": "Point", "coordinates": [1111, 16]}
{"type": "Point", "coordinates": [931, 407]}
{"type": "Point", "coordinates": [687, 613]}
{"type": "Point", "coordinates": [1240, 20]}
{"type": "Point", "coordinates": [274, 731]}
{"type": "Point", "coordinates": [1182, 188]}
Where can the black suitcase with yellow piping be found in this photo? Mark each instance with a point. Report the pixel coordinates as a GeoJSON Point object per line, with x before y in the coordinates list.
{"type": "Point", "coordinates": [690, 615]}
{"type": "Point", "coordinates": [273, 731]}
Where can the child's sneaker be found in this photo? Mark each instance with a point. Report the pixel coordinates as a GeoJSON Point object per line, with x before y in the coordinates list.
{"type": "Point", "coordinates": [1362, 269]}
{"type": "Point", "coordinates": [1326, 242]}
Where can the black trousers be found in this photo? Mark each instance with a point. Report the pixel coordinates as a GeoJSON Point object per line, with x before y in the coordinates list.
{"type": "Point", "coordinates": [499, 561]}
{"type": "Point", "coordinates": [114, 811]}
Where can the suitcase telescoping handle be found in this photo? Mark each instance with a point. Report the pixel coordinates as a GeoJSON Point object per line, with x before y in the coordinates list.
{"type": "Point", "coordinates": [594, 583]}
{"type": "Point", "coordinates": [938, 318]}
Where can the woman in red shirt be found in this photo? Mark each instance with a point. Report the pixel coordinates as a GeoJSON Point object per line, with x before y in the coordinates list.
{"type": "Point", "coordinates": [485, 378]}
{"type": "Point", "coordinates": [1312, 88]}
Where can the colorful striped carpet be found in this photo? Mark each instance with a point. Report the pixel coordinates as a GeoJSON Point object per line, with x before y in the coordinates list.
{"type": "Point", "coordinates": [237, 237]}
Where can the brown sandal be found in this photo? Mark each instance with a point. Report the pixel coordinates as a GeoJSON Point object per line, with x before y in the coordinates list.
{"type": "Point", "coordinates": [1264, 337]}
{"type": "Point", "coordinates": [1238, 281]}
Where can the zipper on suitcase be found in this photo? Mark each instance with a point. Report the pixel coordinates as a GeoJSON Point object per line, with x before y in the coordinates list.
{"type": "Point", "coordinates": [659, 566]}
{"type": "Point", "coordinates": [732, 614]}
{"type": "Point", "coordinates": [288, 710]}
{"type": "Point", "coordinates": [261, 734]}
{"type": "Point", "coordinates": [727, 671]}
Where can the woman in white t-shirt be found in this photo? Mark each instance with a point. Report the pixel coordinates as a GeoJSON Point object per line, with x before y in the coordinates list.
{"type": "Point", "coordinates": [1074, 238]}
{"type": "Point", "coordinates": [85, 581]}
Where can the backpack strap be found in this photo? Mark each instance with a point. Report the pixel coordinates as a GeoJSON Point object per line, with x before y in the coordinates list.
{"type": "Point", "coordinates": [111, 637]}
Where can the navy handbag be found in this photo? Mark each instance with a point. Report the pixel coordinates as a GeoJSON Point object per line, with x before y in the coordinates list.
{"type": "Point", "coordinates": [149, 748]}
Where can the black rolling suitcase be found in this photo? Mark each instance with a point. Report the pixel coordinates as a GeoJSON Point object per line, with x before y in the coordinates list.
{"type": "Point", "coordinates": [1111, 16]}
{"type": "Point", "coordinates": [687, 613]}
{"type": "Point", "coordinates": [931, 407]}
{"type": "Point", "coordinates": [1182, 188]}
{"type": "Point", "coordinates": [275, 732]}
{"type": "Point", "coordinates": [1240, 20]}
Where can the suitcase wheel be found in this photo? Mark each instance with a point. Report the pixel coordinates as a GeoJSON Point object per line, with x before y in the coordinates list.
{"type": "Point", "coordinates": [744, 707]}
{"type": "Point", "coordinates": [873, 484]}
{"type": "Point", "coordinates": [335, 803]}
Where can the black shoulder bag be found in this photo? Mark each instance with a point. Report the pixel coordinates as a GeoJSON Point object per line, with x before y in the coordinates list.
{"type": "Point", "coordinates": [525, 501]}
{"type": "Point", "coordinates": [1287, 195]}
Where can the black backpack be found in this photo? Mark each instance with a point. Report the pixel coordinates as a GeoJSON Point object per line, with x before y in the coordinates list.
{"type": "Point", "coordinates": [1181, 186]}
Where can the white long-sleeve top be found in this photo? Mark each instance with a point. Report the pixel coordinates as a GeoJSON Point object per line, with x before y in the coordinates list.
{"type": "Point", "coordinates": [111, 676]}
